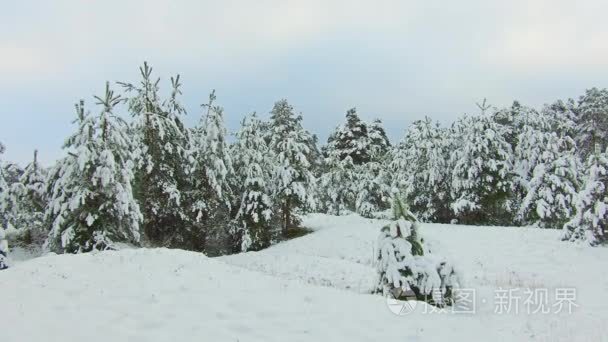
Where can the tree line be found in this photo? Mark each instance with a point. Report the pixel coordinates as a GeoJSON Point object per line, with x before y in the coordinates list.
{"type": "Point", "coordinates": [152, 181]}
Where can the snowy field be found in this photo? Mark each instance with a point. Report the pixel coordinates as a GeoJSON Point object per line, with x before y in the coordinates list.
{"type": "Point", "coordinates": [314, 288]}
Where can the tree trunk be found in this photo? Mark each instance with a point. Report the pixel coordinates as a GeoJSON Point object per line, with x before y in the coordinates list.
{"type": "Point", "coordinates": [287, 217]}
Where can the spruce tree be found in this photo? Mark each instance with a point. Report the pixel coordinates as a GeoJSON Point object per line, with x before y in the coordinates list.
{"type": "Point", "coordinates": [253, 169]}
{"type": "Point", "coordinates": [589, 223]}
{"type": "Point", "coordinates": [161, 148]}
{"type": "Point", "coordinates": [91, 199]}
{"type": "Point", "coordinates": [293, 184]}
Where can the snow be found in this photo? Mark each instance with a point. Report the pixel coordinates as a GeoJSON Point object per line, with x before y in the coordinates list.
{"type": "Point", "coordinates": [274, 295]}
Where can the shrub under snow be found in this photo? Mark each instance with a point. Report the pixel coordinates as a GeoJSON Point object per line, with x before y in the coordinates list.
{"type": "Point", "coordinates": [408, 269]}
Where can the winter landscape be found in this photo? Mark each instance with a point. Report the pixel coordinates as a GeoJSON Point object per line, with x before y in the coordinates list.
{"type": "Point", "coordinates": [167, 215]}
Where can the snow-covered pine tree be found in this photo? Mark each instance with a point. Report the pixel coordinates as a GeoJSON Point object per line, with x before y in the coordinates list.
{"type": "Point", "coordinates": [372, 184]}
{"type": "Point", "coordinates": [592, 120]}
{"type": "Point", "coordinates": [427, 171]}
{"type": "Point", "coordinates": [91, 200]}
{"type": "Point", "coordinates": [372, 180]}
{"type": "Point", "coordinates": [317, 162]}
{"type": "Point", "coordinates": [352, 139]}
{"type": "Point", "coordinates": [552, 190]}
{"type": "Point", "coordinates": [406, 267]}
{"type": "Point", "coordinates": [30, 203]}
{"type": "Point", "coordinates": [515, 119]}
{"type": "Point", "coordinates": [482, 172]}
{"type": "Point", "coordinates": [161, 148]}
{"type": "Point", "coordinates": [379, 144]}
{"type": "Point", "coordinates": [4, 189]}
{"type": "Point", "coordinates": [589, 223]}
{"type": "Point", "coordinates": [3, 250]}
{"type": "Point", "coordinates": [338, 188]}
{"type": "Point", "coordinates": [293, 185]}
{"type": "Point", "coordinates": [562, 116]}
{"type": "Point", "coordinates": [211, 193]}
{"type": "Point", "coordinates": [337, 184]}
{"type": "Point", "coordinates": [253, 170]}
{"type": "Point", "coordinates": [397, 164]}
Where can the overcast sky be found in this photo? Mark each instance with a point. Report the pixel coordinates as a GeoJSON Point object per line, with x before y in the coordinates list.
{"type": "Point", "coordinates": [395, 60]}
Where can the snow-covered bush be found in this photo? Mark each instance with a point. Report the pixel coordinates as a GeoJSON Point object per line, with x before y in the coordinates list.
{"type": "Point", "coordinates": [407, 268]}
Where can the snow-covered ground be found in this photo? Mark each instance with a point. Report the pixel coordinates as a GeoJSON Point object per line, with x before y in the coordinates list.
{"type": "Point", "coordinates": [314, 288]}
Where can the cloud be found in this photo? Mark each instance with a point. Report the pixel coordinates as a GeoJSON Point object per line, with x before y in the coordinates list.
{"type": "Point", "coordinates": [397, 60]}
{"type": "Point", "coordinates": [548, 35]}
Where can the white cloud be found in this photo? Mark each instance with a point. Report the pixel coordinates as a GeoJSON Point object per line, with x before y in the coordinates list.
{"type": "Point", "coordinates": [547, 35]}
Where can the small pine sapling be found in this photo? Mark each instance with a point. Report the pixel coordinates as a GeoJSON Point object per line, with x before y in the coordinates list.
{"type": "Point", "coordinates": [407, 269]}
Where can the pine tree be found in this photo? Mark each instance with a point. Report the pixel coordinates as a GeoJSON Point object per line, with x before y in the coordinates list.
{"type": "Point", "coordinates": [592, 120]}
{"type": "Point", "coordinates": [551, 192]}
{"type": "Point", "coordinates": [338, 184]}
{"type": "Point", "coordinates": [397, 164]}
{"type": "Point", "coordinates": [378, 140]}
{"type": "Point", "coordinates": [426, 171]}
{"type": "Point", "coordinates": [589, 223]}
{"type": "Point", "coordinates": [562, 116]}
{"type": "Point", "coordinates": [162, 144]}
{"type": "Point", "coordinates": [3, 248]}
{"type": "Point", "coordinates": [515, 119]}
{"type": "Point", "coordinates": [91, 200]}
{"type": "Point", "coordinates": [482, 172]}
{"type": "Point", "coordinates": [253, 169]}
{"type": "Point", "coordinates": [293, 185]}
{"type": "Point", "coordinates": [407, 269]}
{"type": "Point", "coordinates": [372, 187]}
{"type": "Point", "coordinates": [352, 139]}
{"type": "Point", "coordinates": [4, 189]}
{"type": "Point", "coordinates": [30, 202]}
{"type": "Point", "coordinates": [212, 166]}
